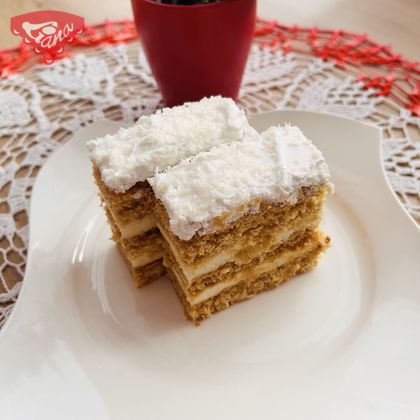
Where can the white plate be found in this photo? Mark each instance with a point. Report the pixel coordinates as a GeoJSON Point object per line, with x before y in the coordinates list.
{"type": "Point", "coordinates": [341, 342]}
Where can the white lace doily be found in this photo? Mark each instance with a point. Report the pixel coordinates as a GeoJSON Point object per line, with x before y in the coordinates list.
{"type": "Point", "coordinates": [41, 110]}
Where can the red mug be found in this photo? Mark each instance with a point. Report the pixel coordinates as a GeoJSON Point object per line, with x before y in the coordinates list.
{"type": "Point", "coordinates": [198, 50]}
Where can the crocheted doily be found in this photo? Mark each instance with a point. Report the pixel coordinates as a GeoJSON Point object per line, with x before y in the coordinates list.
{"type": "Point", "coordinates": [42, 108]}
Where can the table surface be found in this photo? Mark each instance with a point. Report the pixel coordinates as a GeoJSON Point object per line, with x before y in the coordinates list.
{"type": "Point", "coordinates": [393, 22]}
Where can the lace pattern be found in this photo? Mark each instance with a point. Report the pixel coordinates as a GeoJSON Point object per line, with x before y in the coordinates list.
{"type": "Point", "coordinates": [42, 109]}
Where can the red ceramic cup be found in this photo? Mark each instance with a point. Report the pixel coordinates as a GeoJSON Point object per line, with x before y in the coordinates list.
{"type": "Point", "coordinates": [196, 51]}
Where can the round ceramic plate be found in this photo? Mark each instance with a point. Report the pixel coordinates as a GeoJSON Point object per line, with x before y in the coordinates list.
{"type": "Point", "coordinates": [340, 342]}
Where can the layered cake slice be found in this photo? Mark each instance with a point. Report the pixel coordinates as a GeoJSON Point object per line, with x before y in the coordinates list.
{"type": "Point", "coordinates": [122, 163]}
{"type": "Point", "coordinates": [241, 218]}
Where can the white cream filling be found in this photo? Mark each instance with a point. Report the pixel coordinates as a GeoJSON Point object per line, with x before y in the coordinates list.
{"type": "Point", "coordinates": [135, 227]}
{"type": "Point", "coordinates": [224, 257]}
{"type": "Point", "coordinates": [266, 266]}
{"type": "Point", "coordinates": [144, 258]}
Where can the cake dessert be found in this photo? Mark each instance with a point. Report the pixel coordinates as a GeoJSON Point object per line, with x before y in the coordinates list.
{"type": "Point", "coordinates": [241, 218]}
{"type": "Point", "coordinates": [123, 162]}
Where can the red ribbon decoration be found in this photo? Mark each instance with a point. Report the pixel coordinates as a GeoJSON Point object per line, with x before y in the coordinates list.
{"type": "Point", "coordinates": [376, 66]}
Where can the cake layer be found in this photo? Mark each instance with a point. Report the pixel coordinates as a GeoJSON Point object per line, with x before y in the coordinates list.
{"type": "Point", "coordinates": [147, 273]}
{"type": "Point", "coordinates": [128, 208]}
{"type": "Point", "coordinates": [138, 250]}
{"type": "Point", "coordinates": [136, 227]}
{"type": "Point", "coordinates": [139, 241]}
{"type": "Point", "coordinates": [143, 249]}
{"type": "Point", "coordinates": [205, 287]}
{"type": "Point", "coordinates": [133, 227]}
{"type": "Point", "coordinates": [252, 234]}
{"type": "Point", "coordinates": [242, 251]}
{"type": "Point", "coordinates": [247, 288]}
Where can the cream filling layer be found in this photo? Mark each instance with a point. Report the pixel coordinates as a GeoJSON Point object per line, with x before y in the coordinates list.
{"type": "Point", "coordinates": [268, 265]}
{"type": "Point", "coordinates": [135, 227]}
{"type": "Point", "coordinates": [229, 255]}
{"type": "Point", "coordinates": [143, 258]}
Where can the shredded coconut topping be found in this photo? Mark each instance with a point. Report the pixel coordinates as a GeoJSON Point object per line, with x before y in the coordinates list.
{"type": "Point", "coordinates": [165, 138]}
{"type": "Point", "coordinates": [232, 179]}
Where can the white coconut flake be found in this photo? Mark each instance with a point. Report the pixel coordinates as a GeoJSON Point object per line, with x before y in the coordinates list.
{"type": "Point", "coordinates": [271, 167]}
{"type": "Point", "coordinates": [165, 138]}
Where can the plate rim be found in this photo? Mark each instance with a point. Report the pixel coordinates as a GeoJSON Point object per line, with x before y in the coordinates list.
{"type": "Point", "coordinates": [8, 325]}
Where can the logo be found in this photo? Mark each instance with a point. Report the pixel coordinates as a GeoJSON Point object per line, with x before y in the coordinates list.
{"type": "Point", "coordinates": [47, 31]}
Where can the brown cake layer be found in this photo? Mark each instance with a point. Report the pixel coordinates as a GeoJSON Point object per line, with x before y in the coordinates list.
{"type": "Point", "coordinates": [303, 240]}
{"type": "Point", "coordinates": [128, 206]}
{"type": "Point", "coordinates": [255, 232]}
{"type": "Point", "coordinates": [248, 288]}
{"type": "Point", "coordinates": [148, 245]}
{"type": "Point", "coordinates": [242, 252]}
{"type": "Point", "coordinates": [147, 273]}
{"type": "Point", "coordinates": [151, 242]}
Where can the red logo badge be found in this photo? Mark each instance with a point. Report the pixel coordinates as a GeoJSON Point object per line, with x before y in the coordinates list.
{"type": "Point", "coordinates": [47, 31]}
